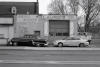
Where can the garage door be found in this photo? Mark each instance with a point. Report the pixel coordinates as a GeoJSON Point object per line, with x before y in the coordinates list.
{"type": "Point", "coordinates": [58, 29]}
{"type": "Point", "coordinates": [4, 33]}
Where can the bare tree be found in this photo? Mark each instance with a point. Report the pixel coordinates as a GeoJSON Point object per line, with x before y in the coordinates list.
{"type": "Point", "coordinates": [74, 6]}
{"type": "Point", "coordinates": [91, 9]}
{"type": "Point", "coordinates": [63, 6]}
{"type": "Point", "coordinates": [57, 7]}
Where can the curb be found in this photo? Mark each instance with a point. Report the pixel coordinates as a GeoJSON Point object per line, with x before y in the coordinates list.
{"type": "Point", "coordinates": [47, 62]}
{"type": "Point", "coordinates": [46, 48]}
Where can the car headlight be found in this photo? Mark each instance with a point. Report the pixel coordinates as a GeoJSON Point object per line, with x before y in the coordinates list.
{"type": "Point", "coordinates": [33, 42]}
{"type": "Point", "coordinates": [46, 44]}
{"type": "Point", "coordinates": [55, 42]}
{"type": "Point", "coordinates": [87, 43]}
{"type": "Point", "coordinates": [10, 42]}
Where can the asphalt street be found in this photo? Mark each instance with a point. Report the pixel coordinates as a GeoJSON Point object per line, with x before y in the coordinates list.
{"type": "Point", "coordinates": [49, 65]}
{"type": "Point", "coordinates": [49, 58]}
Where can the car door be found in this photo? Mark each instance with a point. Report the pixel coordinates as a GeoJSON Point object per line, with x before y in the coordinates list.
{"type": "Point", "coordinates": [72, 41]}
{"type": "Point", "coordinates": [68, 42]}
{"type": "Point", "coordinates": [75, 42]}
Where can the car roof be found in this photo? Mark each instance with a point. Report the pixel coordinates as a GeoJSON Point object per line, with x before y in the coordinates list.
{"type": "Point", "coordinates": [72, 38]}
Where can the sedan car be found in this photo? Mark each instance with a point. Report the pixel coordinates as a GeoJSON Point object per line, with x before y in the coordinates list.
{"type": "Point", "coordinates": [28, 40]}
{"type": "Point", "coordinates": [71, 41]}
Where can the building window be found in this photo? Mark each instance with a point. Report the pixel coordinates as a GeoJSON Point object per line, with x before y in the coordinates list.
{"type": "Point", "coordinates": [51, 34]}
{"type": "Point", "coordinates": [59, 34]}
{"type": "Point", "coordinates": [1, 35]}
{"type": "Point", "coordinates": [37, 33]}
{"type": "Point", "coordinates": [65, 34]}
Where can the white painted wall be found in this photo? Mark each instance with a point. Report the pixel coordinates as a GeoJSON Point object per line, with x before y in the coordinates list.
{"type": "Point", "coordinates": [73, 28]}
{"type": "Point", "coordinates": [46, 28]}
{"type": "Point", "coordinates": [11, 32]}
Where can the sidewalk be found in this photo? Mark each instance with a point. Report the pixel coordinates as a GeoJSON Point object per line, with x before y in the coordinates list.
{"type": "Point", "coordinates": [46, 48]}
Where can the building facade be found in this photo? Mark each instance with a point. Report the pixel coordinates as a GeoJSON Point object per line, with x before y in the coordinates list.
{"type": "Point", "coordinates": [47, 26]}
{"type": "Point", "coordinates": [8, 11]}
{"type": "Point", "coordinates": [20, 18]}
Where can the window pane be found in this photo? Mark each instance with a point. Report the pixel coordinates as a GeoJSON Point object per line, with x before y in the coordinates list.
{"type": "Point", "coordinates": [58, 34]}
{"type": "Point", "coordinates": [51, 34]}
{"type": "Point", "coordinates": [65, 34]}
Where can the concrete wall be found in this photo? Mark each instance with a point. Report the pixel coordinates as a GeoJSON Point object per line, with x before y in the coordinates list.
{"type": "Point", "coordinates": [73, 28]}
{"type": "Point", "coordinates": [27, 24]}
{"type": "Point", "coordinates": [71, 18]}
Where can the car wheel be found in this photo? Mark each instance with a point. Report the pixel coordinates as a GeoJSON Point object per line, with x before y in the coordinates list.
{"type": "Point", "coordinates": [41, 45]}
{"type": "Point", "coordinates": [81, 45]}
{"type": "Point", "coordinates": [9, 44]}
{"type": "Point", "coordinates": [33, 44]}
{"type": "Point", "coordinates": [15, 44]}
{"type": "Point", "coordinates": [60, 44]}
{"type": "Point", "coordinates": [89, 41]}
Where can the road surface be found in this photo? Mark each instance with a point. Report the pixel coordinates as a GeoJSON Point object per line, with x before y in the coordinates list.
{"type": "Point", "coordinates": [49, 58]}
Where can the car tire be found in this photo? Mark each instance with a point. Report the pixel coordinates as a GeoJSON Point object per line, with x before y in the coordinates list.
{"type": "Point", "coordinates": [41, 45]}
{"type": "Point", "coordinates": [60, 44]}
{"type": "Point", "coordinates": [8, 44]}
{"type": "Point", "coordinates": [15, 44]}
{"type": "Point", "coordinates": [89, 41]}
{"type": "Point", "coordinates": [81, 45]}
{"type": "Point", "coordinates": [33, 44]}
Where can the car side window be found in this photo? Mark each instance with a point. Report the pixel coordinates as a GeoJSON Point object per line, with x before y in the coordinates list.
{"type": "Point", "coordinates": [73, 38]}
{"type": "Point", "coordinates": [69, 38]}
{"type": "Point", "coordinates": [76, 39]}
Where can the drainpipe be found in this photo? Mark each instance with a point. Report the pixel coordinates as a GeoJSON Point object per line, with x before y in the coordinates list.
{"type": "Point", "coordinates": [37, 7]}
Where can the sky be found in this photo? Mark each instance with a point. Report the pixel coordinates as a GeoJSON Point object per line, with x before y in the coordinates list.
{"type": "Point", "coordinates": [42, 4]}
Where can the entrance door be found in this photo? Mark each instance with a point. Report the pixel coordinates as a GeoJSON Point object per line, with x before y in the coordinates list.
{"type": "Point", "coordinates": [58, 29]}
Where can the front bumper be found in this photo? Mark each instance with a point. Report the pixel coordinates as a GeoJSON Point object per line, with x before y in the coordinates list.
{"type": "Point", "coordinates": [40, 43]}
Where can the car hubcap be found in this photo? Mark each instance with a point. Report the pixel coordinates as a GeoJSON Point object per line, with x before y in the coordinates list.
{"type": "Point", "coordinates": [15, 44]}
{"type": "Point", "coordinates": [81, 45]}
{"type": "Point", "coordinates": [60, 44]}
